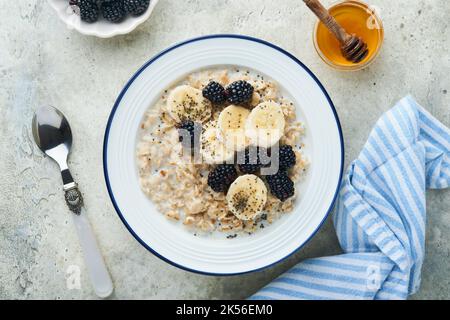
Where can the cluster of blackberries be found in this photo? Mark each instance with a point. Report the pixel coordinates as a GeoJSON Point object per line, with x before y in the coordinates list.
{"type": "Point", "coordinates": [280, 185]}
{"type": "Point", "coordinates": [112, 10]}
{"type": "Point", "coordinates": [238, 92]}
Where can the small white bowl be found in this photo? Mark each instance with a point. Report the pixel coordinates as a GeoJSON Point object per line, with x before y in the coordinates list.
{"type": "Point", "coordinates": [102, 28]}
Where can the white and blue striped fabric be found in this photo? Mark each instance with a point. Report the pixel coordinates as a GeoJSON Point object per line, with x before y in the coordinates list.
{"type": "Point", "coordinates": [380, 216]}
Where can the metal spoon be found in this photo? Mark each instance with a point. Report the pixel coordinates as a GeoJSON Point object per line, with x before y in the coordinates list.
{"type": "Point", "coordinates": [52, 134]}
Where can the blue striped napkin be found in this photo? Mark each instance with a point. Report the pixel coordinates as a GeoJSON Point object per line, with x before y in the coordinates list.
{"type": "Point", "coordinates": [380, 216]}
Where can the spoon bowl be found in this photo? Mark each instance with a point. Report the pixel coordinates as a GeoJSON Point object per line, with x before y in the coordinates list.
{"type": "Point", "coordinates": [52, 134]}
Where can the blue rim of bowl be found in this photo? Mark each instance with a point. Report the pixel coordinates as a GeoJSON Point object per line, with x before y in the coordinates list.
{"type": "Point", "coordinates": [148, 63]}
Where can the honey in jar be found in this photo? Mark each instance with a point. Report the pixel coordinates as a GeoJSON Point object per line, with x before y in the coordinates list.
{"type": "Point", "coordinates": [356, 18]}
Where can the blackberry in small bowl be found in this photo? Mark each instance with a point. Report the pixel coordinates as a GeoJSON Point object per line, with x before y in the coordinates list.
{"type": "Point", "coordinates": [239, 92]}
{"type": "Point", "coordinates": [215, 93]}
{"type": "Point", "coordinates": [222, 177]}
{"type": "Point", "coordinates": [113, 10]}
{"type": "Point", "coordinates": [89, 10]}
{"type": "Point", "coordinates": [136, 7]}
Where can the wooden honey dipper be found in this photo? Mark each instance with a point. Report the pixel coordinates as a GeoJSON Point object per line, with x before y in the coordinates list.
{"type": "Point", "coordinates": [353, 48]}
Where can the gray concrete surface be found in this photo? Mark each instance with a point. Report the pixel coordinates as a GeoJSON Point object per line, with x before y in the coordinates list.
{"type": "Point", "coordinates": [42, 62]}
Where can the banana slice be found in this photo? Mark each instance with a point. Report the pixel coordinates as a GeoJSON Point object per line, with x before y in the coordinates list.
{"type": "Point", "coordinates": [231, 127]}
{"type": "Point", "coordinates": [265, 124]}
{"type": "Point", "coordinates": [247, 197]}
{"type": "Point", "coordinates": [212, 149]}
{"type": "Point", "coordinates": [187, 103]}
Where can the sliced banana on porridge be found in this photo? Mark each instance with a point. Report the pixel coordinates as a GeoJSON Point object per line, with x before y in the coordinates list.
{"type": "Point", "coordinates": [231, 127]}
{"type": "Point", "coordinates": [213, 150]}
{"type": "Point", "coordinates": [187, 103]}
{"type": "Point", "coordinates": [265, 124]}
{"type": "Point", "coordinates": [247, 197]}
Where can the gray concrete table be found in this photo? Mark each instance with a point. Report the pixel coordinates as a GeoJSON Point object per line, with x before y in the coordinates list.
{"type": "Point", "coordinates": [42, 62]}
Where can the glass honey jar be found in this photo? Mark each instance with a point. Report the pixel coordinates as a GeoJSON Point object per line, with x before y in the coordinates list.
{"type": "Point", "coordinates": [356, 18]}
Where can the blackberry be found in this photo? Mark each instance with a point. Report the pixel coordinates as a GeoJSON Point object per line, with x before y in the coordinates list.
{"type": "Point", "coordinates": [251, 158]}
{"type": "Point", "coordinates": [215, 92]}
{"type": "Point", "coordinates": [239, 92]}
{"type": "Point", "coordinates": [280, 185]}
{"type": "Point", "coordinates": [221, 177]}
{"type": "Point", "coordinates": [136, 7]}
{"type": "Point", "coordinates": [286, 157]}
{"type": "Point", "coordinates": [89, 10]}
{"type": "Point", "coordinates": [192, 129]}
{"type": "Point", "coordinates": [113, 10]}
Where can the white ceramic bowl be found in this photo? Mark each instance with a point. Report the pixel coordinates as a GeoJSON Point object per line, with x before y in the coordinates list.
{"type": "Point", "coordinates": [101, 28]}
{"type": "Point", "coordinates": [218, 255]}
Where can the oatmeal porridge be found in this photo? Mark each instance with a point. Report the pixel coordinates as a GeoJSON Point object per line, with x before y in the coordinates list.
{"type": "Point", "coordinates": [221, 150]}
